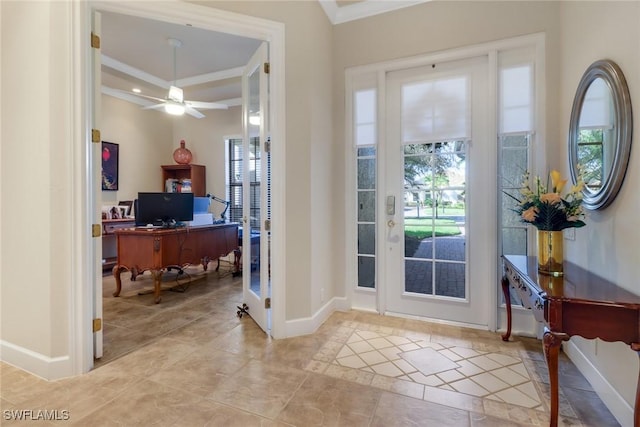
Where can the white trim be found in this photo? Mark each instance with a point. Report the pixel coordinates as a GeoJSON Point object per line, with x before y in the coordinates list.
{"type": "Point", "coordinates": [363, 9]}
{"type": "Point", "coordinates": [352, 75]}
{"type": "Point", "coordinates": [177, 12]}
{"type": "Point", "coordinates": [308, 325]}
{"type": "Point", "coordinates": [49, 368]}
{"type": "Point", "coordinates": [439, 321]}
{"type": "Point", "coordinates": [621, 410]}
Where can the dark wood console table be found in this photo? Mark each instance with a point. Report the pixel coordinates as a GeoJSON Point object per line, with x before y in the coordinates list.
{"type": "Point", "coordinates": [156, 250]}
{"type": "Point", "coordinates": [579, 303]}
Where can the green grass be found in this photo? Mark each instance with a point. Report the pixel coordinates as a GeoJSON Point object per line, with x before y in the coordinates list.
{"type": "Point", "coordinates": [421, 228]}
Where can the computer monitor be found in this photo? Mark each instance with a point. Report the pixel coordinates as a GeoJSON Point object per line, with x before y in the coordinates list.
{"type": "Point", "coordinates": [163, 209]}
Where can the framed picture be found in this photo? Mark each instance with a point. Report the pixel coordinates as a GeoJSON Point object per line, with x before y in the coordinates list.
{"type": "Point", "coordinates": [110, 159]}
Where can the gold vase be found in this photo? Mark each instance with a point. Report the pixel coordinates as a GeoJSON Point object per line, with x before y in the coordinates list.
{"type": "Point", "coordinates": [550, 253]}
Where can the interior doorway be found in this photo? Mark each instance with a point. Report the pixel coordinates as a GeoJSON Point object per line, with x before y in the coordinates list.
{"type": "Point", "coordinates": [213, 20]}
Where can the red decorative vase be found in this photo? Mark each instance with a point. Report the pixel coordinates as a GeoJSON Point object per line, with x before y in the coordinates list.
{"type": "Point", "coordinates": [182, 155]}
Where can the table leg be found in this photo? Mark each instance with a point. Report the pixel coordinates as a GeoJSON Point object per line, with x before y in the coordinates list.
{"type": "Point", "coordinates": [507, 300]}
{"type": "Point", "coordinates": [157, 281]}
{"type": "Point", "coordinates": [117, 269]}
{"type": "Point", "coordinates": [636, 409]}
{"type": "Point", "coordinates": [551, 344]}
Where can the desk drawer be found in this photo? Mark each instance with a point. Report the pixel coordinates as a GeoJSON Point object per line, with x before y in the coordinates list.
{"type": "Point", "coordinates": [110, 228]}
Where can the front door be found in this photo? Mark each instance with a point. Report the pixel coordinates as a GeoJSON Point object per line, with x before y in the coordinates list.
{"type": "Point", "coordinates": [440, 193]}
{"type": "Point", "coordinates": [255, 190]}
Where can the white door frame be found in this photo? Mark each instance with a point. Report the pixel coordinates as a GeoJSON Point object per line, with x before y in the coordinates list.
{"type": "Point", "coordinates": [177, 12]}
{"type": "Point", "coordinates": [371, 300]}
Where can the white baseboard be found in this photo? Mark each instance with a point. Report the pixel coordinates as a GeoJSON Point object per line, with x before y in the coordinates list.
{"type": "Point", "coordinates": [48, 368]}
{"type": "Point", "coordinates": [309, 325]}
{"type": "Point", "coordinates": [621, 410]}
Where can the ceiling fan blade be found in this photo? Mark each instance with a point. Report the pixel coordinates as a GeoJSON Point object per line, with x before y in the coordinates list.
{"type": "Point", "coordinates": [154, 107]}
{"type": "Point", "coordinates": [148, 97]}
{"type": "Point", "coordinates": [207, 105]}
{"type": "Point", "coordinates": [193, 112]}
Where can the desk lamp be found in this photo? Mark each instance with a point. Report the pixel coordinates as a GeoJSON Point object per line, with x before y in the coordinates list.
{"type": "Point", "coordinates": [226, 204]}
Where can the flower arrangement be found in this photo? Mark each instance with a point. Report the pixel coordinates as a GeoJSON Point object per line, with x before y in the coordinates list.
{"type": "Point", "coordinates": [544, 206]}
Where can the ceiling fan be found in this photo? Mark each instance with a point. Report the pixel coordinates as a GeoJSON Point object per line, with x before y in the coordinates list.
{"type": "Point", "coordinates": [175, 103]}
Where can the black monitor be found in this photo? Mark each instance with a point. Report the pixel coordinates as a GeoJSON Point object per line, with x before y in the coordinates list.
{"type": "Point", "coordinates": [163, 209]}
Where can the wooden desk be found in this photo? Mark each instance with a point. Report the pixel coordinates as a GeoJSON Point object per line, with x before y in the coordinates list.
{"type": "Point", "coordinates": [156, 250]}
{"type": "Point", "coordinates": [580, 303]}
{"type": "Point", "coordinates": [109, 226]}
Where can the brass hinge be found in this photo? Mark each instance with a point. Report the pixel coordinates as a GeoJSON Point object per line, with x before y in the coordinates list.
{"type": "Point", "coordinates": [95, 135]}
{"type": "Point", "coordinates": [267, 225]}
{"type": "Point", "coordinates": [267, 303]}
{"type": "Point", "coordinates": [95, 41]}
{"type": "Point", "coordinates": [96, 230]}
{"type": "Point", "coordinates": [267, 68]}
{"type": "Point", "coordinates": [97, 325]}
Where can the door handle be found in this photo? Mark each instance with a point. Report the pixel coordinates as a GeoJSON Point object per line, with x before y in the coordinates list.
{"type": "Point", "coordinates": [391, 223]}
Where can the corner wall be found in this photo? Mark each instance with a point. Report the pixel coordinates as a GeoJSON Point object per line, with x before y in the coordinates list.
{"type": "Point", "coordinates": [36, 186]}
{"type": "Point", "coordinates": [608, 244]}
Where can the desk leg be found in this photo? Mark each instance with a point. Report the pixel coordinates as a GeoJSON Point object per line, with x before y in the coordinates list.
{"type": "Point", "coordinates": [507, 300]}
{"type": "Point", "coordinates": [636, 409]}
{"type": "Point", "coordinates": [117, 269]}
{"type": "Point", "coordinates": [551, 342]}
{"type": "Point", "coordinates": [157, 281]}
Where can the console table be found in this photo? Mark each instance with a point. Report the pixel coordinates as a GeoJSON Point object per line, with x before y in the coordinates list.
{"type": "Point", "coordinates": [579, 303]}
{"type": "Point", "coordinates": [157, 249]}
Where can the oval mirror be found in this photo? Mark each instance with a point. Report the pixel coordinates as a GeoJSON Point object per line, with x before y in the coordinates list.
{"type": "Point", "coordinates": [600, 132]}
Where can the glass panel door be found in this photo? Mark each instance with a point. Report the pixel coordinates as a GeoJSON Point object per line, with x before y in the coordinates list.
{"type": "Point", "coordinates": [440, 174]}
{"type": "Point", "coordinates": [255, 224]}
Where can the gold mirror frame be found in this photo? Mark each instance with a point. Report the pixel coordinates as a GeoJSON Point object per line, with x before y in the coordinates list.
{"type": "Point", "coordinates": [611, 74]}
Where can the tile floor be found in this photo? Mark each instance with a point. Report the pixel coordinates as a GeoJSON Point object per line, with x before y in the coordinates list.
{"type": "Point", "coordinates": [190, 361]}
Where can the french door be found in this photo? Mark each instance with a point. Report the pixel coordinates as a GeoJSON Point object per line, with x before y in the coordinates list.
{"type": "Point", "coordinates": [439, 202]}
{"type": "Point", "coordinates": [256, 254]}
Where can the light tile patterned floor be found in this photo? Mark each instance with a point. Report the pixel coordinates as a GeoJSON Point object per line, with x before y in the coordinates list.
{"type": "Point", "coordinates": [420, 362]}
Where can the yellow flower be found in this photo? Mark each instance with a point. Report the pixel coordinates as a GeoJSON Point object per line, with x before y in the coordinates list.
{"type": "Point", "coordinates": [551, 198]}
{"type": "Point", "coordinates": [557, 181]}
{"type": "Point", "coordinates": [575, 189]}
{"type": "Point", "coordinates": [530, 214]}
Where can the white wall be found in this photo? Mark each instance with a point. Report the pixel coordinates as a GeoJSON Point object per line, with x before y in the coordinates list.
{"type": "Point", "coordinates": [608, 244]}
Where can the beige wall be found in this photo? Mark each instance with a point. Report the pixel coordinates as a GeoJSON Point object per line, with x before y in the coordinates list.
{"type": "Point", "coordinates": [608, 245]}
{"type": "Point", "coordinates": [145, 142]}
{"type": "Point", "coordinates": [148, 138]}
{"type": "Point", "coordinates": [35, 177]}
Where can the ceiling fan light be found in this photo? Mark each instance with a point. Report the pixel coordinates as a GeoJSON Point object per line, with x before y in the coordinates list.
{"type": "Point", "coordinates": [174, 108]}
{"type": "Point", "coordinates": [175, 94]}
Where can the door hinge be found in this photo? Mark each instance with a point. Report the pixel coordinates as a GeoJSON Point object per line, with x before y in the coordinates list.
{"type": "Point", "coordinates": [97, 325]}
{"type": "Point", "coordinates": [95, 135]}
{"type": "Point", "coordinates": [267, 68]}
{"type": "Point", "coordinates": [95, 41]}
{"type": "Point", "coordinates": [96, 230]}
{"type": "Point", "coordinates": [267, 146]}
{"type": "Point", "coordinates": [267, 303]}
{"type": "Point", "coordinates": [267, 225]}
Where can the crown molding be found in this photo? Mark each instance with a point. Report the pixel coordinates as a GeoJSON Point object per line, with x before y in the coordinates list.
{"type": "Point", "coordinates": [363, 9]}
